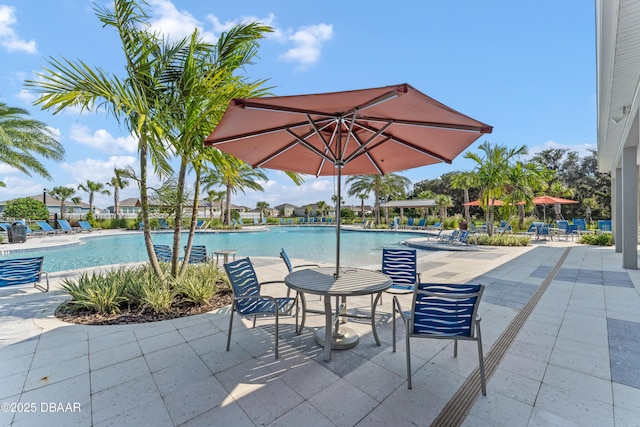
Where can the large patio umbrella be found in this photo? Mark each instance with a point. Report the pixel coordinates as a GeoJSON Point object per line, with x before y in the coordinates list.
{"type": "Point", "coordinates": [550, 200]}
{"type": "Point", "coordinates": [358, 132]}
{"type": "Point", "coordinates": [477, 203]}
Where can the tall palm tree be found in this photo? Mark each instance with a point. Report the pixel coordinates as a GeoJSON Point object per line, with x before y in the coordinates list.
{"type": "Point", "coordinates": [63, 194]}
{"type": "Point", "coordinates": [393, 187]}
{"type": "Point", "coordinates": [118, 182]}
{"type": "Point", "coordinates": [262, 208]}
{"type": "Point", "coordinates": [215, 196]}
{"type": "Point", "coordinates": [234, 175]}
{"type": "Point", "coordinates": [522, 181]}
{"type": "Point", "coordinates": [360, 186]}
{"type": "Point", "coordinates": [92, 188]}
{"type": "Point", "coordinates": [165, 97]}
{"type": "Point", "coordinates": [492, 166]}
{"type": "Point", "coordinates": [464, 181]}
{"type": "Point", "coordinates": [21, 138]}
{"type": "Point", "coordinates": [443, 201]}
{"type": "Point", "coordinates": [362, 197]}
{"type": "Point", "coordinates": [322, 206]}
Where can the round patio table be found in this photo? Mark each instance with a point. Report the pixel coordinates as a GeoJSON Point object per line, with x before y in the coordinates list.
{"type": "Point", "coordinates": [351, 282]}
{"type": "Point", "coordinates": [225, 255]}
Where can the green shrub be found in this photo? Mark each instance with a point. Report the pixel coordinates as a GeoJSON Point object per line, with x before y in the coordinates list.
{"type": "Point", "coordinates": [96, 292]}
{"type": "Point", "coordinates": [27, 208]}
{"type": "Point", "coordinates": [158, 296]}
{"type": "Point", "coordinates": [501, 240]}
{"type": "Point", "coordinates": [600, 239]}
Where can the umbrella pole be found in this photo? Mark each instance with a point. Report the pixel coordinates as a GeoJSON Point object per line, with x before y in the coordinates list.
{"type": "Point", "coordinates": [339, 166]}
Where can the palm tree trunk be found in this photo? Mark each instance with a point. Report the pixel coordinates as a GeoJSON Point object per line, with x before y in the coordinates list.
{"type": "Point", "coordinates": [116, 201]}
{"type": "Point", "coordinates": [144, 201]}
{"type": "Point", "coordinates": [194, 221]}
{"type": "Point", "coordinates": [177, 226]}
{"type": "Point", "coordinates": [227, 219]}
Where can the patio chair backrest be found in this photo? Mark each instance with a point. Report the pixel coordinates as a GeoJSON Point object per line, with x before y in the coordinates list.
{"type": "Point", "coordinates": [244, 282]}
{"type": "Point", "coordinates": [64, 224]}
{"type": "Point", "coordinates": [563, 224]}
{"type": "Point", "coordinates": [604, 225]}
{"type": "Point", "coordinates": [401, 267]}
{"type": "Point", "coordinates": [445, 310]}
{"type": "Point", "coordinates": [163, 252]}
{"type": "Point", "coordinates": [198, 254]}
{"type": "Point", "coordinates": [285, 258]}
{"type": "Point", "coordinates": [45, 226]}
{"type": "Point", "coordinates": [22, 271]}
{"type": "Point", "coordinates": [410, 222]}
{"type": "Point", "coordinates": [580, 223]}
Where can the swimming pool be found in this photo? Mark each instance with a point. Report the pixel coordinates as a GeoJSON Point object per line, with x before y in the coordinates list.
{"type": "Point", "coordinates": [311, 243]}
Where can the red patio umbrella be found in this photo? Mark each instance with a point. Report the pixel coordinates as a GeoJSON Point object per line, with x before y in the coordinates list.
{"type": "Point", "coordinates": [549, 200]}
{"type": "Point", "coordinates": [357, 132]}
{"type": "Point", "coordinates": [477, 203]}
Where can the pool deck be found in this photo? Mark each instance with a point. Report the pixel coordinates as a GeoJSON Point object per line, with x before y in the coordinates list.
{"type": "Point", "coordinates": [561, 331]}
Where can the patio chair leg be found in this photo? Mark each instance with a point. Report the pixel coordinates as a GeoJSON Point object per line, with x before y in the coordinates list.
{"type": "Point", "coordinates": [304, 312]}
{"type": "Point", "coordinates": [230, 326]}
{"type": "Point", "coordinates": [408, 360]}
{"type": "Point", "coordinates": [276, 338]}
{"type": "Point", "coordinates": [393, 322]}
{"type": "Point", "coordinates": [373, 318]}
{"type": "Point", "coordinates": [455, 348]}
{"type": "Point", "coordinates": [481, 361]}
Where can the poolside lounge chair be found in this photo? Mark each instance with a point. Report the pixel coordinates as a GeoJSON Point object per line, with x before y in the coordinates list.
{"type": "Point", "coordinates": [450, 238]}
{"type": "Point", "coordinates": [198, 254]}
{"type": "Point", "coordinates": [163, 252]}
{"type": "Point", "coordinates": [604, 225]}
{"type": "Point", "coordinates": [200, 224]}
{"type": "Point", "coordinates": [248, 300]}
{"type": "Point", "coordinates": [46, 228]}
{"type": "Point", "coordinates": [66, 227]}
{"type": "Point", "coordinates": [410, 222]}
{"type": "Point", "coordinates": [421, 224]}
{"type": "Point", "coordinates": [162, 224]}
{"type": "Point", "coordinates": [85, 226]}
{"type": "Point", "coordinates": [442, 311]}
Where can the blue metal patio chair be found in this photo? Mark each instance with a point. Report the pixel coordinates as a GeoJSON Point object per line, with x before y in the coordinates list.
{"type": "Point", "coordinates": [442, 311]}
{"type": "Point", "coordinates": [402, 268]}
{"type": "Point", "coordinates": [248, 301]}
{"type": "Point", "coordinates": [46, 228]}
{"type": "Point", "coordinates": [22, 271]}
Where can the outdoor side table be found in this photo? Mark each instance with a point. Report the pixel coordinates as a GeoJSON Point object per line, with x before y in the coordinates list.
{"type": "Point", "coordinates": [350, 282]}
{"type": "Point", "coordinates": [225, 255]}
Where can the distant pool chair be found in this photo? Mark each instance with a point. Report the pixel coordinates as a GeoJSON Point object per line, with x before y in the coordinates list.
{"type": "Point", "coordinates": [249, 301]}
{"type": "Point", "coordinates": [198, 254]}
{"type": "Point", "coordinates": [163, 252]}
{"type": "Point", "coordinates": [442, 311]}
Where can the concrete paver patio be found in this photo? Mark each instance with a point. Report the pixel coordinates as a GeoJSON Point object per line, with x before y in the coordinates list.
{"type": "Point", "coordinates": [561, 332]}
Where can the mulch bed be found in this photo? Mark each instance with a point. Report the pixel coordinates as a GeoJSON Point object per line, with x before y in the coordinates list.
{"type": "Point", "coordinates": [88, 317]}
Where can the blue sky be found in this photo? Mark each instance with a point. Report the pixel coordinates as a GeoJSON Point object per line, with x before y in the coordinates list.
{"type": "Point", "coordinates": [525, 68]}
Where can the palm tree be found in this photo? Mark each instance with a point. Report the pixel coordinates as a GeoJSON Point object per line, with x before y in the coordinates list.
{"type": "Point", "coordinates": [117, 182]}
{"type": "Point", "coordinates": [161, 100]}
{"type": "Point", "coordinates": [92, 188]}
{"type": "Point", "coordinates": [262, 208]}
{"type": "Point", "coordinates": [63, 194]}
{"type": "Point", "coordinates": [443, 201]}
{"type": "Point", "coordinates": [464, 181]}
{"type": "Point", "coordinates": [492, 166]}
{"type": "Point", "coordinates": [362, 197]}
{"type": "Point", "coordinates": [393, 187]}
{"type": "Point", "coordinates": [215, 196]}
{"type": "Point", "coordinates": [521, 183]}
{"type": "Point", "coordinates": [20, 137]}
{"type": "Point", "coordinates": [234, 175]}
{"type": "Point", "coordinates": [360, 186]}
{"type": "Point", "coordinates": [322, 206]}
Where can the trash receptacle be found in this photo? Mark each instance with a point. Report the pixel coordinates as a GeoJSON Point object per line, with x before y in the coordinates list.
{"type": "Point", "coordinates": [17, 233]}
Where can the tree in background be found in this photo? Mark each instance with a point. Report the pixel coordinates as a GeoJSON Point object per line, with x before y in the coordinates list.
{"type": "Point", "coordinates": [92, 188]}
{"type": "Point", "coordinates": [234, 175]}
{"type": "Point", "coordinates": [63, 194]}
{"type": "Point", "coordinates": [118, 182]}
{"type": "Point", "coordinates": [492, 167]}
{"type": "Point", "coordinates": [442, 203]}
{"type": "Point", "coordinates": [26, 208]}
{"type": "Point", "coordinates": [21, 138]}
{"type": "Point", "coordinates": [463, 181]}
{"type": "Point", "coordinates": [322, 207]}
{"type": "Point", "coordinates": [262, 209]}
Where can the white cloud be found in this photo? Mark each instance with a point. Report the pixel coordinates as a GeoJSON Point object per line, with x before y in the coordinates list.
{"type": "Point", "coordinates": [103, 140]}
{"type": "Point", "coordinates": [8, 37]}
{"type": "Point", "coordinates": [19, 186]}
{"type": "Point", "coordinates": [308, 43]}
{"type": "Point", "coordinates": [174, 23]}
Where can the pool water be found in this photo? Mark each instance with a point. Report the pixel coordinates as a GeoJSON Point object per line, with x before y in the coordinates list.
{"type": "Point", "coordinates": [318, 244]}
